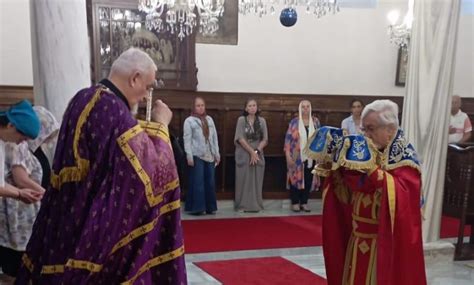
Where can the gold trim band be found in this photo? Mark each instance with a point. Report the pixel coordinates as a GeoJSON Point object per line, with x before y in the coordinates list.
{"type": "Point", "coordinates": [79, 171]}
{"type": "Point", "coordinates": [146, 228]}
{"type": "Point", "coordinates": [391, 198]}
{"type": "Point", "coordinates": [365, 220]}
{"type": "Point", "coordinates": [362, 235]}
{"type": "Point", "coordinates": [154, 262]}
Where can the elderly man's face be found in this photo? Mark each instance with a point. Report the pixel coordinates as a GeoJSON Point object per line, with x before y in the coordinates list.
{"type": "Point", "coordinates": [143, 83]}
{"type": "Point", "coordinates": [380, 134]}
{"type": "Point", "coordinates": [455, 105]}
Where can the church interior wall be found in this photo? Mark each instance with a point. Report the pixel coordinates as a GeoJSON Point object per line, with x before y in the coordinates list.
{"type": "Point", "coordinates": [344, 54]}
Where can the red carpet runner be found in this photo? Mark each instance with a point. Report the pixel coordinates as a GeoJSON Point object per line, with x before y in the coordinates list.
{"type": "Point", "coordinates": [265, 233]}
{"type": "Point", "coordinates": [450, 227]}
{"type": "Point", "coordinates": [260, 271]}
{"type": "Point", "coordinates": [251, 233]}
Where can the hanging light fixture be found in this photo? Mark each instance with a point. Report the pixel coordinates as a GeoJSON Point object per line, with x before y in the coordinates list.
{"type": "Point", "coordinates": [319, 8]}
{"type": "Point", "coordinates": [182, 16]}
{"type": "Point", "coordinates": [400, 33]}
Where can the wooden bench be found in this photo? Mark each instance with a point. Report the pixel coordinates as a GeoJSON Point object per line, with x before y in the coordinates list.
{"type": "Point", "coordinates": [458, 198]}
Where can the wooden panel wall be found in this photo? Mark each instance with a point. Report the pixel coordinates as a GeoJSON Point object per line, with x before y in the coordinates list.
{"type": "Point", "coordinates": [12, 94]}
{"type": "Point", "coordinates": [225, 108]}
{"type": "Point", "coordinates": [277, 109]}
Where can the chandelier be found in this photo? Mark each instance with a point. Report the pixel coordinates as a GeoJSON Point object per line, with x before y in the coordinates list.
{"type": "Point", "coordinates": [263, 7]}
{"type": "Point", "coordinates": [400, 33]}
{"type": "Point", "coordinates": [182, 16]}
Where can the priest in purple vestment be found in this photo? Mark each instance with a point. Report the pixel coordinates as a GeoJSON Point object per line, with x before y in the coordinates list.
{"type": "Point", "coordinates": [111, 214]}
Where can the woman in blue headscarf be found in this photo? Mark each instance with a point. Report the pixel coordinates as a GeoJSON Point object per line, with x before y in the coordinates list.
{"type": "Point", "coordinates": [17, 124]}
{"type": "Point", "coordinates": [27, 165]}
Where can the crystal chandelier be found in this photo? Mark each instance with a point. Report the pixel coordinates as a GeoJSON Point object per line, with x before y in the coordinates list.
{"type": "Point", "coordinates": [182, 16]}
{"type": "Point", "coordinates": [400, 34]}
{"type": "Point", "coordinates": [263, 7]}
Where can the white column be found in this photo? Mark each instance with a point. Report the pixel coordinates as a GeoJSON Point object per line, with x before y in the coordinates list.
{"type": "Point", "coordinates": [426, 110]}
{"type": "Point", "coordinates": [61, 53]}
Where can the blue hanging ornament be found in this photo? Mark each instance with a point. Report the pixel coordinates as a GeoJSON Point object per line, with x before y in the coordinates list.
{"type": "Point", "coordinates": [288, 17]}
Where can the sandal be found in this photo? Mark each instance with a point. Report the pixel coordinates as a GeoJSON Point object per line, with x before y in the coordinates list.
{"type": "Point", "coordinates": [305, 208]}
{"type": "Point", "coordinates": [295, 208]}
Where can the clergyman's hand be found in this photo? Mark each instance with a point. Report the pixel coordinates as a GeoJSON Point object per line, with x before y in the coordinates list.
{"type": "Point", "coordinates": [161, 113]}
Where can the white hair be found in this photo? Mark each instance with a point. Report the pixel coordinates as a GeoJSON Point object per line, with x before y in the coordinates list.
{"type": "Point", "coordinates": [387, 112]}
{"type": "Point", "coordinates": [133, 60]}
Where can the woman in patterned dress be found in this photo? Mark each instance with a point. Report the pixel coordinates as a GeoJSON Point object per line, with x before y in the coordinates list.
{"type": "Point", "coordinates": [299, 180]}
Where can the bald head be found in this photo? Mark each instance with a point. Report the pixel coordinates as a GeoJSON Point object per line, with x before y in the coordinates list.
{"type": "Point", "coordinates": [133, 73]}
{"type": "Point", "coordinates": [132, 60]}
{"type": "Point", "coordinates": [455, 104]}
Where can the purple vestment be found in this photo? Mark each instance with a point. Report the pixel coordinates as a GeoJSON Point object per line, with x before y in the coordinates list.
{"type": "Point", "coordinates": [112, 212]}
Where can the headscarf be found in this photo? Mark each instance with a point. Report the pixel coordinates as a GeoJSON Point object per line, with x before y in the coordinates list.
{"type": "Point", "coordinates": [49, 125]}
{"type": "Point", "coordinates": [24, 118]}
{"type": "Point", "coordinates": [302, 133]}
{"type": "Point", "coordinates": [203, 118]}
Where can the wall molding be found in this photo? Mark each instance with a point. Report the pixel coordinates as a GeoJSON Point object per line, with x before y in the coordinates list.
{"type": "Point", "coordinates": [10, 94]}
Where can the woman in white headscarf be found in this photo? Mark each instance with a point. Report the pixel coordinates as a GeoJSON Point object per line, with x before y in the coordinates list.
{"type": "Point", "coordinates": [299, 178]}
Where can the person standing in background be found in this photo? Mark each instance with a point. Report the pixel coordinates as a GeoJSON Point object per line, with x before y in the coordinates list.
{"type": "Point", "coordinates": [460, 127]}
{"type": "Point", "coordinates": [300, 180]}
{"type": "Point", "coordinates": [202, 155]}
{"type": "Point", "coordinates": [351, 124]}
{"type": "Point", "coordinates": [251, 137]}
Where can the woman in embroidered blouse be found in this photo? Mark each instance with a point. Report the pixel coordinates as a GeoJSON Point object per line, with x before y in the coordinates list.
{"type": "Point", "coordinates": [17, 124]}
{"type": "Point", "coordinates": [351, 124]}
{"type": "Point", "coordinates": [202, 155]}
{"type": "Point", "coordinates": [300, 181]}
{"type": "Point", "coordinates": [22, 171]}
{"type": "Point", "coordinates": [251, 137]}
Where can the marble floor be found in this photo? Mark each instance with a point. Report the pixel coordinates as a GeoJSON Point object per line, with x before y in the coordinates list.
{"type": "Point", "coordinates": [440, 268]}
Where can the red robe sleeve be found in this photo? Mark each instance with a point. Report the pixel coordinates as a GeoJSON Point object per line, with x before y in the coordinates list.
{"type": "Point", "coordinates": [400, 257]}
{"type": "Point", "coordinates": [336, 226]}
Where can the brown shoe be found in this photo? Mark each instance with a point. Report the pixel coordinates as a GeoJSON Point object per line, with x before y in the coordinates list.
{"type": "Point", "coordinates": [305, 208]}
{"type": "Point", "coordinates": [295, 208]}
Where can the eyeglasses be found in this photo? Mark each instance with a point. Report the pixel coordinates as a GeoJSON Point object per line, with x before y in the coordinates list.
{"type": "Point", "coordinates": [370, 129]}
{"type": "Point", "coordinates": [157, 84]}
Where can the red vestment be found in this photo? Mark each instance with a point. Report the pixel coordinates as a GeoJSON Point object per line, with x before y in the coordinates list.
{"type": "Point", "coordinates": [372, 227]}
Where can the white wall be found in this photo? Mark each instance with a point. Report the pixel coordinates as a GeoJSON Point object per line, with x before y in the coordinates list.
{"type": "Point", "coordinates": [15, 43]}
{"type": "Point", "coordinates": [464, 69]}
{"type": "Point", "coordinates": [347, 53]}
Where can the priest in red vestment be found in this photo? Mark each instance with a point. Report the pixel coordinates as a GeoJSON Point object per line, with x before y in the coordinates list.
{"type": "Point", "coordinates": [371, 208]}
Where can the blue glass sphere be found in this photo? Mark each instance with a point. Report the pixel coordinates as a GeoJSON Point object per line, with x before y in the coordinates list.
{"type": "Point", "coordinates": [288, 17]}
